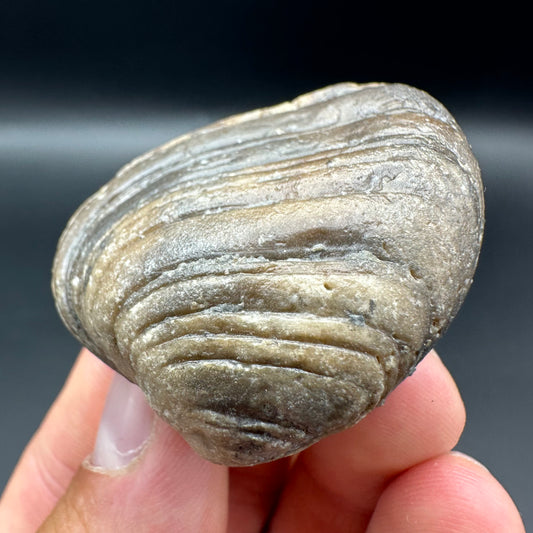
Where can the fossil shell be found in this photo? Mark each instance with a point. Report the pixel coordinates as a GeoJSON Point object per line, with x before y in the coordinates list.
{"type": "Point", "coordinates": [267, 280]}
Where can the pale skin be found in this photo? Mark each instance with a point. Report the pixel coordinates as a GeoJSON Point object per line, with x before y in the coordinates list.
{"type": "Point", "coordinates": [394, 471]}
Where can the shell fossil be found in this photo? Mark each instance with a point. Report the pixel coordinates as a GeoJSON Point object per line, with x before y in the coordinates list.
{"type": "Point", "coordinates": [267, 280]}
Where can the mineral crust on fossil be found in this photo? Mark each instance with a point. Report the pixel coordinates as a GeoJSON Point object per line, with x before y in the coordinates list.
{"type": "Point", "coordinates": [267, 280]}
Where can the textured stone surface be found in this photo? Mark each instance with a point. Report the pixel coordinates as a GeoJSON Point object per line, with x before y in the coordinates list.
{"type": "Point", "coordinates": [269, 279]}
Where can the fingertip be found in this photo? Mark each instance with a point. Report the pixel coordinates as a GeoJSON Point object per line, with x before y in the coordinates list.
{"type": "Point", "coordinates": [167, 486]}
{"type": "Point", "coordinates": [430, 402]}
{"type": "Point", "coordinates": [344, 474]}
{"type": "Point", "coordinates": [474, 462]}
{"type": "Point", "coordinates": [435, 395]}
{"type": "Point", "coordinates": [124, 429]}
{"type": "Point", "coordinates": [422, 418]}
{"type": "Point", "coordinates": [139, 471]}
{"type": "Point", "coordinates": [63, 440]}
{"type": "Point", "coordinates": [449, 494]}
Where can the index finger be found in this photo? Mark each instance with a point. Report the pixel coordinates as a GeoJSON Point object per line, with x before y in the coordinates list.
{"type": "Point", "coordinates": [335, 484]}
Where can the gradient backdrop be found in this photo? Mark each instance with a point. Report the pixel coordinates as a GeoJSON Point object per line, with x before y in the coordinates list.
{"type": "Point", "coordinates": [86, 86]}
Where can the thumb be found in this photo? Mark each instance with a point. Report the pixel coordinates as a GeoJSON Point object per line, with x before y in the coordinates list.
{"type": "Point", "coordinates": [141, 476]}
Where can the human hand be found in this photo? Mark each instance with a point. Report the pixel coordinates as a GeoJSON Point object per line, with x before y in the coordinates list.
{"type": "Point", "coordinates": [392, 472]}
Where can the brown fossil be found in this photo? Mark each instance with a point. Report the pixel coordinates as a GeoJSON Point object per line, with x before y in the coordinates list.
{"type": "Point", "coordinates": [267, 280]}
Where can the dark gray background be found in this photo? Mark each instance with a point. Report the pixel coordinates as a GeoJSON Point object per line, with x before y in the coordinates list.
{"type": "Point", "coordinates": [87, 86]}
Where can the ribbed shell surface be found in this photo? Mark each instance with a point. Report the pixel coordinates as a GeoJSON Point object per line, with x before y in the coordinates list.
{"type": "Point", "coordinates": [267, 280]}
